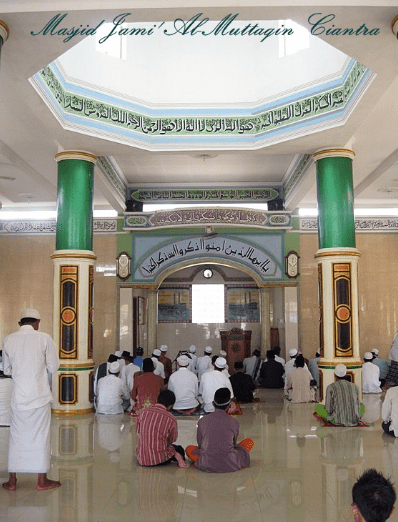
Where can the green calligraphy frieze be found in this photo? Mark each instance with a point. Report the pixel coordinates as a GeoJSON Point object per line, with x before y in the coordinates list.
{"type": "Point", "coordinates": [144, 127]}
{"type": "Point", "coordinates": [200, 195]}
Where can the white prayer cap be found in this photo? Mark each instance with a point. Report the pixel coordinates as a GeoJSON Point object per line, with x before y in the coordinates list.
{"type": "Point", "coordinates": [31, 313]}
{"type": "Point", "coordinates": [192, 349]}
{"type": "Point", "coordinates": [375, 351]}
{"type": "Point", "coordinates": [221, 362]}
{"type": "Point", "coordinates": [183, 360]}
{"type": "Point", "coordinates": [208, 349]}
{"type": "Point", "coordinates": [368, 356]}
{"type": "Point", "coordinates": [293, 352]}
{"type": "Point", "coordinates": [340, 370]}
{"type": "Point", "coordinates": [223, 353]}
{"type": "Point", "coordinates": [157, 353]}
{"type": "Point", "coordinates": [118, 353]}
{"type": "Point", "coordinates": [163, 348]}
{"type": "Point", "coordinates": [114, 367]}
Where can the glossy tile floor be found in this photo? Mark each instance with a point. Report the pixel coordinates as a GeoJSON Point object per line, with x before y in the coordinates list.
{"type": "Point", "coordinates": [299, 471]}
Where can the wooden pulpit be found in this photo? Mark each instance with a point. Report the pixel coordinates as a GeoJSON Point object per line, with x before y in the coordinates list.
{"type": "Point", "coordinates": [236, 343]}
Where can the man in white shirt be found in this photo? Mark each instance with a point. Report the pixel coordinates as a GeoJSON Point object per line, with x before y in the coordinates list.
{"type": "Point", "coordinates": [6, 390]}
{"type": "Point", "coordinates": [27, 356]}
{"type": "Point", "coordinates": [370, 375]}
{"type": "Point", "coordinates": [193, 360]}
{"type": "Point", "coordinates": [252, 365]}
{"type": "Point", "coordinates": [184, 384]}
{"type": "Point", "coordinates": [127, 372]}
{"type": "Point", "coordinates": [111, 392]}
{"type": "Point", "coordinates": [159, 368]}
{"type": "Point", "coordinates": [204, 363]}
{"type": "Point", "coordinates": [389, 412]}
{"type": "Point", "coordinates": [212, 381]}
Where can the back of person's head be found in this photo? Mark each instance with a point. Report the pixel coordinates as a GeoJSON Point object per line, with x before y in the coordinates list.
{"type": "Point", "coordinates": [139, 351]}
{"type": "Point", "coordinates": [277, 350]}
{"type": "Point", "coordinates": [214, 359]}
{"type": "Point", "coordinates": [167, 398]}
{"type": "Point", "coordinates": [257, 353]}
{"type": "Point", "coordinates": [238, 365]}
{"type": "Point", "coordinates": [374, 496]}
{"type": "Point", "coordinates": [147, 365]}
{"type": "Point", "coordinates": [270, 355]}
{"type": "Point", "coordinates": [299, 361]}
{"type": "Point", "coordinates": [112, 358]}
{"type": "Point", "coordinates": [222, 398]}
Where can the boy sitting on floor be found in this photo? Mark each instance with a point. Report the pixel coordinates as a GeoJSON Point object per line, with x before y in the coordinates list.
{"type": "Point", "coordinates": [217, 450]}
{"type": "Point", "coordinates": [157, 429]}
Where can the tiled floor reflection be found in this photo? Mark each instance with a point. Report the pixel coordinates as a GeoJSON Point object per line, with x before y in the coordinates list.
{"type": "Point", "coordinates": [299, 471]}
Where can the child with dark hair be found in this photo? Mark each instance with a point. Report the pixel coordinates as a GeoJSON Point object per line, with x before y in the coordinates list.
{"type": "Point", "coordinates": [217, 450]}
{"type": "Point", "coordinates": [157, 429]}
{"type": "Point", "coordinates": [373, 498]}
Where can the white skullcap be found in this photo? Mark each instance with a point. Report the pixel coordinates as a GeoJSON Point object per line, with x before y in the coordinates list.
{"type": "Point", "coordinates": [340, 370]}
{"type": "Point", "coordinates": [293, 352]}
{"type": "Point", "coordinates": [118, 353]}
{"type": "Point", "coordinates": [221, 362]}
{"type": "Point", "coordinates": [368, 356]}
{"type": "Point", "coordinates": [192, 349]}
{"type": "Point", "coordinates": [223, 353]}
{"type": "Point", "coordinates": [183, 360]}
{"type": "Point", "coordinates": [114, 367]}
{"type": "Point", "coordinates": [375, 351]}
{"type": "Point", "coordinates": [30, 312]}
{"type": "Point", "coordinates": [157, 353]}
{"type": "Point", "coordinates": [208, 349]}
{"type": "Point", "coordinates": [163, 348]}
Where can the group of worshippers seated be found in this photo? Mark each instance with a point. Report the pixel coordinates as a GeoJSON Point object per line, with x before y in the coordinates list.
{"type": "Point", "coordinates": [298, 381]}
{"type": "Point", "coordinates": [121, 380]}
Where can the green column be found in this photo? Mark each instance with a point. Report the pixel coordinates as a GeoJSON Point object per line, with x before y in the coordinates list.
{"type": "Point", "coordinates": [336, 225]}
{"type": "Point", "coordinates": [75, 200]}
{"type": "Point", "coordinates": [4, 32]}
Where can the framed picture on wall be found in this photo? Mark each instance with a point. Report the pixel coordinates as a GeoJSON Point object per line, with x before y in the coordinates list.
{"type": "Point", "coordinates": [174, 305]}
{"type": "Point", "coordinates": [141, 310]}
{"type": "Point", "coordinates": [242, 304]}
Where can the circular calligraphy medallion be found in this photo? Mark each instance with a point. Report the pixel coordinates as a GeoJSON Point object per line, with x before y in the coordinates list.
{"type": "Point", "coordinates": [236, 347]}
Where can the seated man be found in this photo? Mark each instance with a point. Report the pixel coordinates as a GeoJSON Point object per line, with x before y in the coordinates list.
{"type": "Point", "coordinates": [217, 450]}
{"type": "Point", "coordinates": [252, 365]}
{"type": "Point", "coordinates": [112, 392]}
{"type": "Point", "coordinates": [373, 498]}
{"type": "Point", "coordinates": [242, 384]}
{"type": "Point", "coordinates": [271, 372]}
{"type": "Point", "coordinates": [370, 375]}
{"type": "Point", "coordinates": [389, 412]}
{"type": "Point", "coordinates": [211, 382]}
{"type": "Point", "coordinates": [184, 384]}
{"type": "Point", "coordinates": [157, 430]}
{"type": "Point", "coordinates": [382, 364]}
{"type": "Point", "coordinates": [298, 383]}
{"type": "Point", "coordinates": [138, 360]}
{"type": "Point", "coordinates": [147, 387]}
{"type": "Point", "coordinates": [168, 368]}
{"type": "Point", "coordinates": [128, 371]}
{"type": "Point", "coordinates": [314, 368]}
{"type": "Point", "coordinates": [342, 406]}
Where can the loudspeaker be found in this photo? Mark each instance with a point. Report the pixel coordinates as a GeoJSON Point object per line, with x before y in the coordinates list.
{"type": "Point", "coordinates": [132, 205]}
{"type": "Point", "coordinates": [275, 204]}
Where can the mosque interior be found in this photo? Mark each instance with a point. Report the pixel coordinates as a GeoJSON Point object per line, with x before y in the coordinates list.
{"type": "Point", "coordinates": [160, 112]}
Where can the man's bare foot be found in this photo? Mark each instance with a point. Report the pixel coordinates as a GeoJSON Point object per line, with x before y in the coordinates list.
{"type": "Point", "coordinates": [47, 484]}
{"type": "Point", "coordinates": [10, 486]}
{"type": "Point", "coordinates": [180, 460]}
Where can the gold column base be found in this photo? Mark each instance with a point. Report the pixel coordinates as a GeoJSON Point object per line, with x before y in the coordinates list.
{"type": "Point", "coordinates": [72, 412]}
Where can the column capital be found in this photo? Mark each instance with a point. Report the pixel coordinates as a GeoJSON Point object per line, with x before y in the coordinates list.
{"type": "Point", "coordinates": [76, 155]}
{"type": "Point", "coordinates": [4, 30]}
{"type": "Point", "coordinates": [333, 153]}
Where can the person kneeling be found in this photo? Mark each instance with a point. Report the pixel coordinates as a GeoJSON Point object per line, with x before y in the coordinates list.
{"type": "Point", "coordinates": [217, 450]}
{"type": "Point", "coordinates": [157, 430]}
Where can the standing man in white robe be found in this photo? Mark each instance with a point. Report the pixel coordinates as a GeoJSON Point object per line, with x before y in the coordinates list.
{"type": "Point", "coordinates": [27, 356]}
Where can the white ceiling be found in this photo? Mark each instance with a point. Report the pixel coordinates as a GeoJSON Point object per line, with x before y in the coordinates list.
{"type": "Point", "coordinates": [31, 136]}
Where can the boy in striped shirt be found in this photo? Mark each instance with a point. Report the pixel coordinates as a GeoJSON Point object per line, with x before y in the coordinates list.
{"type": "Point", "coordinates": [157, 430]}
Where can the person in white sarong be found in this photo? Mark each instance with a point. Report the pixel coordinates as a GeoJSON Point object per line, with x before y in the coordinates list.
{"type": "Point", "coordinates": [27, 356]}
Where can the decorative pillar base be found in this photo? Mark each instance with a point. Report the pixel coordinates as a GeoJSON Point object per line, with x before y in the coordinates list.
{"type": "Point", "coordinates": [338, 302]}
{"type": "Point", "coordinates": [73, 331]}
